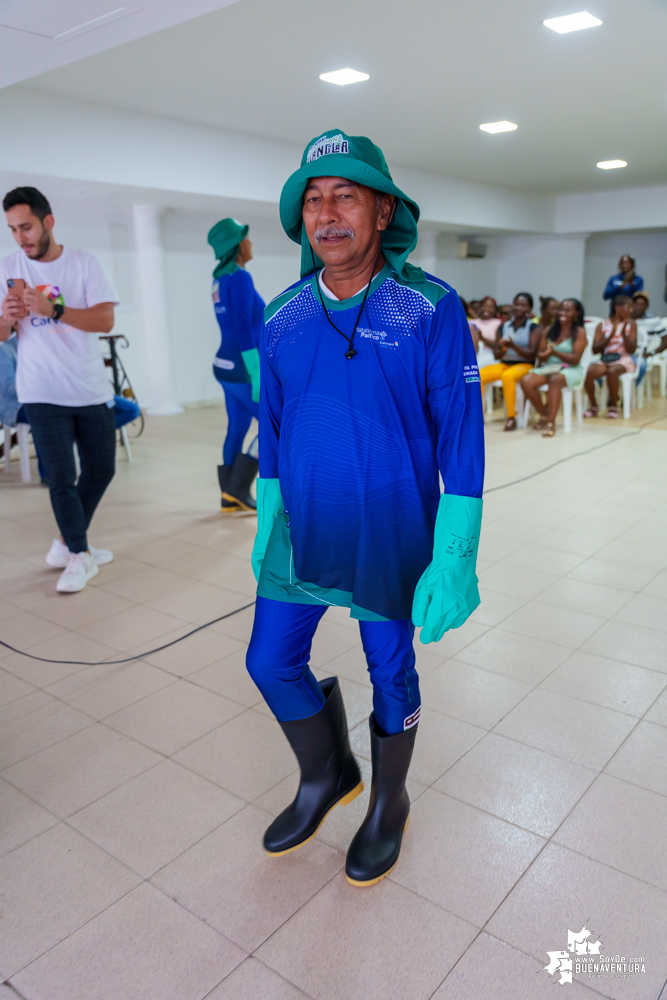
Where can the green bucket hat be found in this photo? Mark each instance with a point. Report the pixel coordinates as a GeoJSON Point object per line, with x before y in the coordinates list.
{"type": "Point", "coordinates": [335, 154]}
{"type": "Point", "coordinates": [225, 238]}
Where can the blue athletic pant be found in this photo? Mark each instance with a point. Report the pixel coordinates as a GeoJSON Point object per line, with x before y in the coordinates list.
{"type": "Point", "coordinates": [240, 411]}
{"type": "Point", "coordinates": [278, 657]}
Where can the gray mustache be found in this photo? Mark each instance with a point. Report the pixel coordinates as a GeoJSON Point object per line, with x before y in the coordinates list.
{"type": "Point", "coordinates": [326, 231]}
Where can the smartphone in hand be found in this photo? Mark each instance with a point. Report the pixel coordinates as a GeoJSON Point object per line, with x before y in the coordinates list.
{"type": "Point", "coordinates": [16, 286]}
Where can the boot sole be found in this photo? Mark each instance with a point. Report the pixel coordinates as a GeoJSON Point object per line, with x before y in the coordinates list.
{"type": "Point", "coordinates": [374, 881]}
{"type": "Point", "coordinates": [344, 801]}
{"type": "Point", "coordinates": [239, 503]}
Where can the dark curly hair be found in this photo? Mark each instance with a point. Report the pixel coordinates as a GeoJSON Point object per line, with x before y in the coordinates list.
{"type": "Point", "coordinates": [554, 330]}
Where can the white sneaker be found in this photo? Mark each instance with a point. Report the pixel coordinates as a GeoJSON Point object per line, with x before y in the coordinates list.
{"type": "Point", "coordinates": [80, 569]}
{"type": "Point", "coordinates": [58, 555]}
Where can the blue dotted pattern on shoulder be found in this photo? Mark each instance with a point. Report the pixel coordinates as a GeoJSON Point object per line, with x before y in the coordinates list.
{"type": "Point", "coordinates": [302, 306]}
{"type": "Point", "coordinates": [394, 311]}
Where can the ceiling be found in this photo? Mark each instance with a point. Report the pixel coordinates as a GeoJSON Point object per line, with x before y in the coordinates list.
{"type": "Point", "coordinates": [438, 68]}
{"type": "Point", "coordinates": [36, 35]}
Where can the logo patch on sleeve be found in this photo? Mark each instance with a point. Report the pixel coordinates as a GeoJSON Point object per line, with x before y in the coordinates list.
{"type": "Point", "coordinates": [470, 373]}
{"type": "Point", "coordinates": [412, 720]}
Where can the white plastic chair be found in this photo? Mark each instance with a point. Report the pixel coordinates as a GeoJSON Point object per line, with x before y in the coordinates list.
{"type": "Point", "coordinates": [659, 362]}
{"type": "Point", "coordinates": [576, 392]}
{"type": "Point", "coordinates": [629, 385]}
{"type": "Point", "coordinates": [23, 436]}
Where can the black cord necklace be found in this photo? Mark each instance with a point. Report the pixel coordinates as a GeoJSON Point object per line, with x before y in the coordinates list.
{"type": "Point", "coordinates": [350, 353]}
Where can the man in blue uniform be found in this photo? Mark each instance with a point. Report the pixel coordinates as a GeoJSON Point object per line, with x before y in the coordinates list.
{"type": "Point", "coordinates": [239, 311]}
{"type": "Point", "coordinates": [370, 389]}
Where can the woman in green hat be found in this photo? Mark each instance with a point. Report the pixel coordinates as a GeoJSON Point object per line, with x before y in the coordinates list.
{"type": "Point", "coordinates": [239, 311]}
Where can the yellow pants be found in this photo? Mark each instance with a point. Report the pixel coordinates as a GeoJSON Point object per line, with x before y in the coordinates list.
{"type": "Point", "coordinates": [509, 375]}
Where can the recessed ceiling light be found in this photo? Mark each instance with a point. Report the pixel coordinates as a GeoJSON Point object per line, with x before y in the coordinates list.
{"type": "Point", "coordinates": [572, 22]}
{"type": "Point", "coordinates": [499, 127]}
{"type": "Point", "coordinates": [611, 164]}
{"type": "Point", "coordinates": [344, 76]}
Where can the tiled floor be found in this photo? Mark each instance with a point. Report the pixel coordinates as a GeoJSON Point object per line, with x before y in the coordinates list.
{"type": "Point", "coordinates": [133, 797]}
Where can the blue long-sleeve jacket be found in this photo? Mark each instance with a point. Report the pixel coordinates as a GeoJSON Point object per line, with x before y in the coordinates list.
{"type": "Point", "coordinates": [239, 311]}
{"type": "Point", "coordinates": [357, 445]}
{"type": "Point", "coordinates": [614, 286]}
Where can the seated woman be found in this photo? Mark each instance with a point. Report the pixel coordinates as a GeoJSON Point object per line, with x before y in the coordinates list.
{"type": "Point", "coordinates": [484, 328]}
{"type": "Point", "coordinates": [514, 349]}
{"type": "Point", "coordinates": [559, 363]}
{"type": "Point", "coordinates": [616, 342]}
{"type": "Point", "coordinates": [548, 311]}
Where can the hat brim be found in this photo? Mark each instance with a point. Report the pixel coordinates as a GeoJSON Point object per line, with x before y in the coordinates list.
{"type": "Point", "coordinates": [334, 165]}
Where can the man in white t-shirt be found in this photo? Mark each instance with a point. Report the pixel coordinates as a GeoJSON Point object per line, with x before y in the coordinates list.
{"type": "Point", "coordinates": [58, 299]}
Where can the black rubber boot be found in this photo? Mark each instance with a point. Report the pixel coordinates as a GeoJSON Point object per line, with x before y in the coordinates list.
{"type": "Point", "coordinates": [376, 845]}
{"type": "Point", "coordinates": [237, 491]}
{"type": "Point", "coordinates": [329, 772]}
{"type": "Point", "coordinates": [226, 506]}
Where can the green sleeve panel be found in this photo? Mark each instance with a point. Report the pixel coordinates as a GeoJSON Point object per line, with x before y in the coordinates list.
{"type": "Point", "coordinates": [251, 361]}
{"type": "Point", "coordinates": [269, 506]}
{"type": "Point", "coordinates": [447, 593]}
{"type": "Point", "coordinates": [277, 579]}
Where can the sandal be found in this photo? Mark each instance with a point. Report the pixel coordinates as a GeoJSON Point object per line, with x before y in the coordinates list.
{"type": "Point", "coordinates": [549, 430]}
{"type": "Point", "coordinates": [510, 424]}
{"type": "Point", "coordinates": [612, 413]}
{"type": "Point", "coordinates": [592, 411]}
{"type": "Point", "coordinates": [541, 424]}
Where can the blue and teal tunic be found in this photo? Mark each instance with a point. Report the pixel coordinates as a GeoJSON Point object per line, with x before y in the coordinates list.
{"type": "Point", "coordinates": [357, 444]}
{"type": "Point", "coordinates": [239, 311]}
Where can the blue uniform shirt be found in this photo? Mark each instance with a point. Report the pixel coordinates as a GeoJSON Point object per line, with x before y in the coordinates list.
{"type": "Point", "coordinates": [357, 444]}
{"type": "Point", "coordinates": [239, 311]}
{"type": "Point", "coordinates": [614, 286]}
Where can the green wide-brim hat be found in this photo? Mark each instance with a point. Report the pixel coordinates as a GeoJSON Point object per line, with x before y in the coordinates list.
{"type": "Point", "coordinates": [225, 237]}
{"type": "Point", "coordinates": [356, 158]}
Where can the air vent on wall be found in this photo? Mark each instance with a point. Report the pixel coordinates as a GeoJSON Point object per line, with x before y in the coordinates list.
{"type": "Point", "coordinates": [468, 248]}
{"type": "Point", "coordinates": [60, 20]}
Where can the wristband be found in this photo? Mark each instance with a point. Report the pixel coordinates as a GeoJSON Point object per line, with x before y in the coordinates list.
{"type": "Point", "coordinates": [58, 310]}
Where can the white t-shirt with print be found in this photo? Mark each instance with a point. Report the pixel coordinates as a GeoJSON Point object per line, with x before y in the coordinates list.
{"type": "Point", "coordinates": [57, 363]}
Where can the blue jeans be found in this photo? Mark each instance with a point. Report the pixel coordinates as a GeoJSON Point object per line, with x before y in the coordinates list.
{"type": "Point", "coordinates": [240, 411]}
{"type": "Point", "coordinates": [54, 431]}
{"type": "Point", "coordinates": [279, 651]}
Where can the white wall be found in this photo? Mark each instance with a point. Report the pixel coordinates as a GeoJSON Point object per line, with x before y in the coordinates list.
{"type": "Point", "coordinates": [602, 253]}
{"type": "Point", "coordinates": [541, 265]}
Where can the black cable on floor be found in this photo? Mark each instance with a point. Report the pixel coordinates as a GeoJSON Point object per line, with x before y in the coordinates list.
{"type": "Point", "coordinates": [150, 652]}
{"type": "Point", "coordinates": [128, 659]}
{"type": "Point", "coordinates": [577, 454]}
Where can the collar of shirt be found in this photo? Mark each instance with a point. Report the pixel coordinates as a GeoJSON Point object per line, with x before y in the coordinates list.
{"type": "Point", "coordinates": [329, 294]}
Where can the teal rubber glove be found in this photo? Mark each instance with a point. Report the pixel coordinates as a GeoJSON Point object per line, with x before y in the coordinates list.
{"type": "Point", "coordinates": [447, 593]}
{"type": "Point", "coordinates": [269, 505]}
{"type": "Point", "coordinates": [251, 361]}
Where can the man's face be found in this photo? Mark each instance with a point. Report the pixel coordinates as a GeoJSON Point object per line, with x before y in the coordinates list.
{"type": "Point", "coordinates": [31, 234]}
{"type": "Point", "coordinates": [343, 219]}
{"type": "Point", "coordinates": [639, 307]}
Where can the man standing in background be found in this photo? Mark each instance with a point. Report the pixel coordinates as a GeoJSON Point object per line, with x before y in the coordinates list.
{"type": "Point", "coordinates": [57, 299]}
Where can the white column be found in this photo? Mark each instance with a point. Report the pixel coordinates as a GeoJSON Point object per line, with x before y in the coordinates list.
{"type": "Point", "coordinates": [150, 259]}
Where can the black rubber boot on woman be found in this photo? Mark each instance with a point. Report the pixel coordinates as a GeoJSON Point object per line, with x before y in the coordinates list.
{"type": "Point", "coordinates": [226, 506]}
{"type": "Point", "coordinates": [376, 845]}
{"type": "Point", "coordinates": [237, 490]}
{"type": "Point", "coordinates": [329, 772]}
